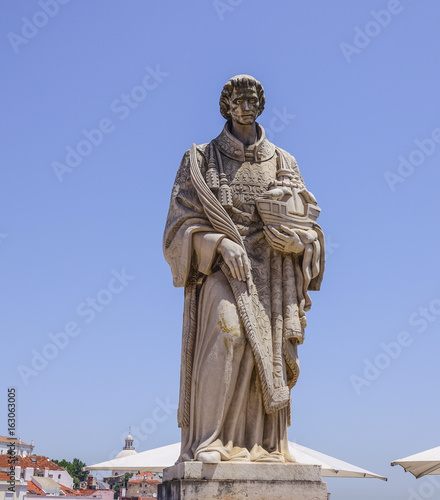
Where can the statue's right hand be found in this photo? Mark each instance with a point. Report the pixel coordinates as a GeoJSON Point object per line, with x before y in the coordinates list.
{"type": "Point", "coordinates": [235, 258]}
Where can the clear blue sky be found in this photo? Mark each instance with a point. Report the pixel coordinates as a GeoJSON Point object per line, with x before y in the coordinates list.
{"type": "Point", "coordinates": [356, 85]}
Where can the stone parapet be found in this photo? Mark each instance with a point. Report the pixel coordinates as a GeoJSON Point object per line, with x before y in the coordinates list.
{"type": "Point", "coordinates": [237, 481]}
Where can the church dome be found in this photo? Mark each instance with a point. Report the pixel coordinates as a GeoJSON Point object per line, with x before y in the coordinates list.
{"type": "Point", "coordinates": [128, 448]}
{"type": "Point", "coordinates": [126, 453]}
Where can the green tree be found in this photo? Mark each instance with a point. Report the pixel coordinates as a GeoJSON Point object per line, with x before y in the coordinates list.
{"type": "Point", "coordinates": [75, 469]}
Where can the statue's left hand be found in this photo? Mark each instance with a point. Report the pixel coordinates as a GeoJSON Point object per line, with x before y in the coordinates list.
{"type": "Point", "coordinates": [287, 241]}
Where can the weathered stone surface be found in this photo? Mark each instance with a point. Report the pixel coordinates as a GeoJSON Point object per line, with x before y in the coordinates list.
{"type": "Point", "coordinates": [242, 490]}
{"type": "Point", "coordinates": [237, 481]}
{"type": "Point", "coordinates": [243, 471]}
{"type": "Point", "coordinates": [242, 238]}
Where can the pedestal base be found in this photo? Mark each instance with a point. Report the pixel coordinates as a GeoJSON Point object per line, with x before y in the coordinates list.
{"type": "Point", "coordinates": [237, 481]}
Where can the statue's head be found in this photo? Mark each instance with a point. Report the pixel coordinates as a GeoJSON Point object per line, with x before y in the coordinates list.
{"type": "Point", "coordinates": [242, 99]}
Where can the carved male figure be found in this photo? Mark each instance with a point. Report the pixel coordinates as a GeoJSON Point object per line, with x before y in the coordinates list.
{"type": "Point", "coordinates": [241, 237]}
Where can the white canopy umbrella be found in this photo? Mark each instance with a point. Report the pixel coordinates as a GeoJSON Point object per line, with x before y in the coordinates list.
{"type": "Point", "coordinates": [159, 458]}
{"type": "Point", "coordinates": [331, 467]}
{"type": "Point", "coordinates": [155, 460]}
{"type": "Point", "coordinates": [421, 464]}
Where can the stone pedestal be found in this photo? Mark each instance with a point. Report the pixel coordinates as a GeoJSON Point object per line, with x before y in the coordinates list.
{"type": "Point", "coordinates": [237, 481]}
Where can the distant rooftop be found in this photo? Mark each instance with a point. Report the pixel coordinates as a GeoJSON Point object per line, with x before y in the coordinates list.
{"type": "Point", "coordinates": [34, 489]}
{"type": "Point", "coordinates": [6, 439]}
{"type": "Point", "coordinates": [149, 481]}
{"type": "Point", "coordinates": [33, 461]}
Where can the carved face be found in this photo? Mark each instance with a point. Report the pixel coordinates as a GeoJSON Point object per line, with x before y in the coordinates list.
{"type": "Point", "coordinates": [244, 105]}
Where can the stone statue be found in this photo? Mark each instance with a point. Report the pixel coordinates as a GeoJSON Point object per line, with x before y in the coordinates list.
{"type": "Point", "coordinates": [242, 238]}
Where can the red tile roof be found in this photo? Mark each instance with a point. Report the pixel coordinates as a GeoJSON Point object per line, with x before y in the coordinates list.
{"type": "Point", "coordinates": [4, 476]}
{"type": "Point", "coordinates": [149, 481]}
{"type": "Point", "coordinates": [69, 491]}
{"type": "Point", "coordinates": [32, 461]}
{"type": "Point", "coordinates": [33, 489]}
{"type": "Point", "coordinates": [6, 439]}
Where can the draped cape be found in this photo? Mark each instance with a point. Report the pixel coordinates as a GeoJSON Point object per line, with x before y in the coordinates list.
{"type": "Point", "coordinates": [273, 317]}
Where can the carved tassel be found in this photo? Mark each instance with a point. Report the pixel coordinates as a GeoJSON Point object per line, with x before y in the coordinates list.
{"type": "Point", "coordinates": [283, 173]}
{"type": "Point", "coordinates": [224, 192]}
{"type": "Point", "coordinates": [212, 178]}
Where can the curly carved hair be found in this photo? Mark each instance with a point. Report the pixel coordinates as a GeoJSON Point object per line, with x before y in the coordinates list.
{"type": "Point", "coordinates": [239, 82]}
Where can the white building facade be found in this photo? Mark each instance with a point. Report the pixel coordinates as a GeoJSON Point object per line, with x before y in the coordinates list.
{"type": "Point", "coordinates": [20, 449]}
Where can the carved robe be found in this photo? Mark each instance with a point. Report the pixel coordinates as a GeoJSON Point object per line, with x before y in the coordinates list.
{"type": "Point", "coordinates": [239, 342]}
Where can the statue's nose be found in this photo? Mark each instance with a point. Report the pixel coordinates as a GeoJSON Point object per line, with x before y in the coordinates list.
{"type": "Point", "coordinates": [246, 105]}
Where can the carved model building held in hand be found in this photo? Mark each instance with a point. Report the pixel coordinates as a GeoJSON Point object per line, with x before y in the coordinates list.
{"type": "Point", "coordinates": [242, 238]}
